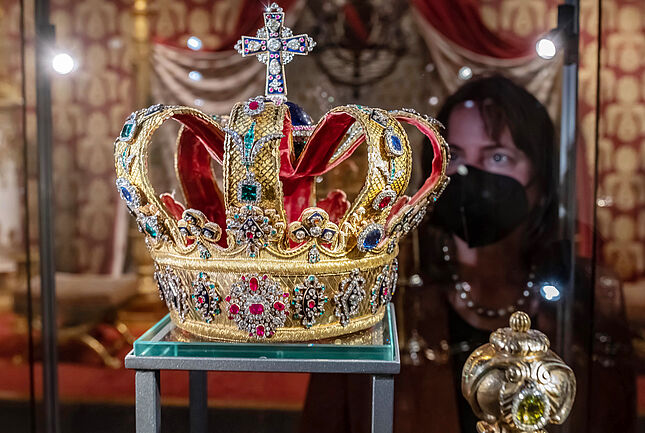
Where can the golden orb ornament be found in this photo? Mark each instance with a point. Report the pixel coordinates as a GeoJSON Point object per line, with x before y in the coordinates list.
{"type": "Point", "coordinates": [515, 383]}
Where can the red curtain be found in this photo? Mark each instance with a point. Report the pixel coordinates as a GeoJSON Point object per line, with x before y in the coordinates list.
{"type": "Point", "coordinates": [460, 22]}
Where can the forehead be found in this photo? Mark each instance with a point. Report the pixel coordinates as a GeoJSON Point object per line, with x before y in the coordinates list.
{"type": "Point", "coordinates": [466, 128]}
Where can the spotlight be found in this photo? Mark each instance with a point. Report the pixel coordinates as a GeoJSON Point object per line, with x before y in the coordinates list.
{"type": "Point", "coordinates": [63, 63]}
{"type": "Point", "coordinates": [194, 43]}
{"type": "Point", "coordinates": [465, 73]}
{"type": "Point", "coordinates": [195, 75]}
{"type": "Point", "coordinates": [563, 38]}
{"type": "Point", "coordinates": [550, 292]}
{"type": "Point", "coordinates": [546, 48]}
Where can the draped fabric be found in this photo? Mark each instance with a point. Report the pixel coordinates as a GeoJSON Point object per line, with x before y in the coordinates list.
{"type": "Point", "coordinates": [538, 76]}
{"type": "Point", "coordinates": [231, 19]}
{"type": "Point", "coordinates": [460, 22]}
{"type": "Point", "coordinates": [223, 76]}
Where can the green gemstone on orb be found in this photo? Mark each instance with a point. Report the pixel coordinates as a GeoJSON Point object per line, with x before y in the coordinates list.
{"type": "Point", "coordinates": [531, 410]}
{"type": "Point", "coordinates": [248, 192]}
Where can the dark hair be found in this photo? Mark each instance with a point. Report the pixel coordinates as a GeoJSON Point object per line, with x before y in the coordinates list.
{"type": "Point", "coordinates": [502, 104]}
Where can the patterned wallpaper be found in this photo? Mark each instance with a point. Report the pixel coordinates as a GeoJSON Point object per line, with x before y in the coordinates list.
{"type": "Point", "coordinates": [91, 103]}
{"type": "Point", "coordinates": [621, 154]}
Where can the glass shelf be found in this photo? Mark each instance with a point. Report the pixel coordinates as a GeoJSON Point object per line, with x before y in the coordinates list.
{"type": "Point", "coordinates": [164, 339]}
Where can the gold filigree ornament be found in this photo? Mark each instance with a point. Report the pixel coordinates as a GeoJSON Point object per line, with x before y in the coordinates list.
{"type": "Point", "coordinates": [258, 256]}
{"type": "Point", "coordinates": [516, 383]}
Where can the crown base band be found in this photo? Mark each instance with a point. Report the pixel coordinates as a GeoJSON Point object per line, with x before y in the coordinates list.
{"type": "Point", "coordinates": [291, 335]}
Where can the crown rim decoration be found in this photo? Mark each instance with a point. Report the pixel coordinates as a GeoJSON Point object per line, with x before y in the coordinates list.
{"type": "Point", "coordinates": [232, 263]}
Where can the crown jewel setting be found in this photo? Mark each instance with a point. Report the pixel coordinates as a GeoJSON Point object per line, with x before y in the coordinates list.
{"type": "Point", "coordinates": [260, 255]}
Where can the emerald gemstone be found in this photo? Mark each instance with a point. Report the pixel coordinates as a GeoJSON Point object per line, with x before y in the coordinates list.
{"type": "Point", "coordinates": [151, 230]}
{"type": "Point", "coordinates": [249, 137]}
{"type": "Point", "coordinates": [128, 129]}
{"type": "Point", "coordinates": [248, 192]}
{"type": "Point", "coordinates": [531, 410]}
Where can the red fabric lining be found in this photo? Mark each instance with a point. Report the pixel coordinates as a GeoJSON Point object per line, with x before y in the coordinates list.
{"type": "Point", "coordinates": [198, 143]}
{"type": "Point", "coordinates": [437, 159]}
{"type": "Point", "coordinates": [175, 208]}
{"type": "Point", "coordinates": [298, 176]}
{"type": "Point", "coordinates": [431, 181]}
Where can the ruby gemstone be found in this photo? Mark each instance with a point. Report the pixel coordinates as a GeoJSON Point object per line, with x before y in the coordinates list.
{"type": "Point", "coordinates": [253, 284]}
{"type": "Point", "coordinates": [278, 306]}
{"type": "Point", "coordinates": [311, 304]}
{"type": "Point", "coordinates": [253, 105]}
{"type": "Point", "coordinates": [260, 330]}
{"type": "Point", "coordinates": [256, 308]}
{"type": "Point", "coordinates": [234, 309]}
{"type": "Point", "coordinates": [386, 201]}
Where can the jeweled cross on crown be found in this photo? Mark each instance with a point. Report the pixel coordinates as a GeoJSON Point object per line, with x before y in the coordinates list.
{"type": "Point", "coordinates": [275, 45]}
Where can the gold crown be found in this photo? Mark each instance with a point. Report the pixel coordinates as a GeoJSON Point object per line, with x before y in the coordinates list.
{"type": "Point", "coordinates": [287, 267]}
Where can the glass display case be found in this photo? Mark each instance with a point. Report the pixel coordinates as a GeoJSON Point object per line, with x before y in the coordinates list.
{"type": "Point", "coordinates": [542, 106]}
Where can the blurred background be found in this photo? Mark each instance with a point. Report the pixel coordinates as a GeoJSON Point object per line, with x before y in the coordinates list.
{"type": "Point", "coordinates": [108, 58]}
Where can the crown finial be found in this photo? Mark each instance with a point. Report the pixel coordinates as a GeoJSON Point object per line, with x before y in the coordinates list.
{"type": "Point", "coordinates": [275, 45]}
{"type": "Point", "coordinates": [520, 321]}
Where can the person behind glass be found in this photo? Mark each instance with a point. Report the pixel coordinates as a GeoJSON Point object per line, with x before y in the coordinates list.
{"type": "Point", "coordinates": [488, 247]}
{"type": "Point", "coordinates": [491, 248]}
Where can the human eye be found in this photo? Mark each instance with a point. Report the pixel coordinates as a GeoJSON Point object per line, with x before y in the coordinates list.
{"type": "Point", "coordinates": [456, 156]}
{"type": "Point", "coordinates": [499, 158]}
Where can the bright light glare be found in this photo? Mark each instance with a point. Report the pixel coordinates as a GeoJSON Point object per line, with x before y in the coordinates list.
{"type": "Point", "coordinates": [433, 100]}
{"type": "Point", "coordinates": [194, 43]}
{"type": "Point", "coordinates": [549, 292]}
{"type": "Point", "coordinates": [545, 48]}
{"type": "Point", "coordinates": [195, 75]}
{"type": "Point", "coordinates": [199, 102]}
{"type": "Point", "coordinates": [465, 73]}
{"type": "Point", "coordinates": [63, 63]}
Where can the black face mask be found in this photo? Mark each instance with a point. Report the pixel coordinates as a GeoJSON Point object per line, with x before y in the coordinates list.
{"type": "Point", "coordinates": [481, 207]}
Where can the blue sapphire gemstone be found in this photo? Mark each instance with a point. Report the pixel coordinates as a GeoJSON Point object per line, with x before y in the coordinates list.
{"type": "Point", "coordinates": [372, 239]}
{"type": "Point", "coordinates": [395, 142]}
{"type": "Point", "coordinates": [126, 194]}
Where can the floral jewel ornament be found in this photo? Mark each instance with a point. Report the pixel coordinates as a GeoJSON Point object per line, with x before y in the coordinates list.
{"type": "Point", "coordinates": [254, 106]}
{"type": "Point", "coordinates": [253, 227]}
{"type": "Point", "coordinates": [258, 305]}
{"type": "Point", "coordinates": [349, 297]}
{"type": "Point", "coordinates": [516, 383]}
{"type": "Point", "coordinates": [205, 298]}
{"type": "Point", "coordinates": [313, 227]}
{"type": "Point", "coordinates": [195, 228]}
{"type": "Point", "coordinates": [171, 291]}
{"type": "Point", "coordinates": [309, 301]}
{"type": "Point", "coordinates": [385, 286]}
